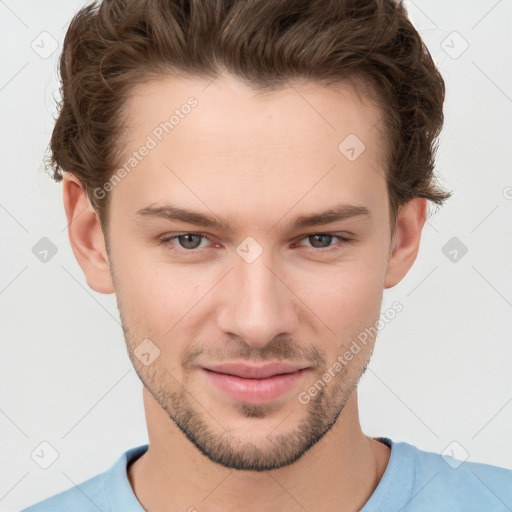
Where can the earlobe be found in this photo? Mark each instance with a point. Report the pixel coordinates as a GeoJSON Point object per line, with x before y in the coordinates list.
{"type": "Point", "coordinates": [86, 236]}
{"type": "Point", "coordinates": [406, 242]}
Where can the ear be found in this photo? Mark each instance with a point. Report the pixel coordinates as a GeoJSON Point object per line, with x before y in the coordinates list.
{"type": "Point", "coordinates": [86, 235]}
{"type": "Point", "coordinates": [406, 241]}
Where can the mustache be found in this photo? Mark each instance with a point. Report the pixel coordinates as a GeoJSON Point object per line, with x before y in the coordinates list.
{"type": "Point", "coordinates": [279, 348]}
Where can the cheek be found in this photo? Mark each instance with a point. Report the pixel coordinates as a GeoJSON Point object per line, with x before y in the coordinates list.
{"type": "Point", "coordinates": [160, 295]}
{"type": "Point", "coordinates": [153, 294]}
{"type": "Point", "coordinates": [157, 307]}
{"type": "Point", "coordinates": [347, 297]}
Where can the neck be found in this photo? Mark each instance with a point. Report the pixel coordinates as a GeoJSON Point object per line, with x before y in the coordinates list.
{"type": "Point", "coordinates": [340, 472]}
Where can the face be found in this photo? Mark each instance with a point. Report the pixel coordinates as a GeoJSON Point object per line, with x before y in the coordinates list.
{"type": "Point", "coordinates": [257, 287]}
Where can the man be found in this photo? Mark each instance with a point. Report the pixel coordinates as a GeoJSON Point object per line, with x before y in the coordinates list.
{"type": "Point", "coordinates": [248, 178]}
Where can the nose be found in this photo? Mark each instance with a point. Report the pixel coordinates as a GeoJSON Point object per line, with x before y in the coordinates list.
{"type": "Point", "coordinates": [259, 304]}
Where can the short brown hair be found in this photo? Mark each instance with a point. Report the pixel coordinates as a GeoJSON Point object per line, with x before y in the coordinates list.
{"type": "Point", "coordinates": [112, 46]}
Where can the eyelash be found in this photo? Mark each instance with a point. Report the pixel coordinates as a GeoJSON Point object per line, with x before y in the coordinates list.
{"type": "Point", "coordinates": [167, 242]}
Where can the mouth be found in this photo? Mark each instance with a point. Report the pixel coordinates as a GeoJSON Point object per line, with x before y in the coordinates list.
{"type": "Point", "coordinates": [255, 372]}
{"type": "Point", "coordinates": [253, 384]}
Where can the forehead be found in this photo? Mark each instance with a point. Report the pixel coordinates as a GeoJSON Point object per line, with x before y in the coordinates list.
{"type": "Point", "coordinates": [225, 106]}
{"type": "Point", "coordinates": [223, 143]}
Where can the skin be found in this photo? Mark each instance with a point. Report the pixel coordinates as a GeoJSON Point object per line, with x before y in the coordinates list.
{"type": "Point", "coordinates": [258, 161]}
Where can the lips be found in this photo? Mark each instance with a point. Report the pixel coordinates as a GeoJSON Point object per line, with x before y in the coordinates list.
{"type": "Point", "coordinates": [254, 384]}
{"type": "Point", "coordinates": [255, 372]}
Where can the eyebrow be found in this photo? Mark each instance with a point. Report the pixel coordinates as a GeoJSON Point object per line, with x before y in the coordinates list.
{"type": "Point", "coordinates": [173, 213]}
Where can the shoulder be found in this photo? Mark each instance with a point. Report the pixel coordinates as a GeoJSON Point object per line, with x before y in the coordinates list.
{"type": "Point", "coordinates": [457, 484]}
{"type": "Point", "coordinates": [88, 496]}
{"type": "Point", "coordinates": [106, 491]}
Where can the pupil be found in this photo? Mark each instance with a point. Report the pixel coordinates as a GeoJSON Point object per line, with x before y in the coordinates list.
{"type": "Point", "coordinates": [316, 237]}
{"type": "Point", "coordinates": [187, 242]}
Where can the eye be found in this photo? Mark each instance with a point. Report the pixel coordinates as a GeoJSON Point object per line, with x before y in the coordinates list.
{"type": "Point", "coordinates": [190, 242]}
{"type": "Point", "coordinates": [319, 239]}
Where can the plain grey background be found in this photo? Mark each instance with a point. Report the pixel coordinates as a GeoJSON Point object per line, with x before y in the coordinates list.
{"type": "Point", "coordinates": [440, 374]}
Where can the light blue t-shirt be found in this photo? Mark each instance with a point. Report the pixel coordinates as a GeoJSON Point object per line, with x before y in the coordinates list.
{"type": "Point", "coordinates": [414, 480]}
